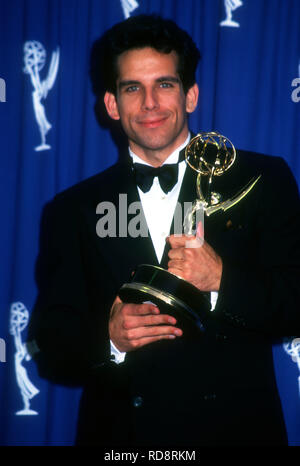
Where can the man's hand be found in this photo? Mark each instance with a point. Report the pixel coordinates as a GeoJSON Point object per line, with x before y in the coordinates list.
{"type": "Point", "coordinates": [134, 325]}
{"type": "Point", "coordinates": [197, 263]}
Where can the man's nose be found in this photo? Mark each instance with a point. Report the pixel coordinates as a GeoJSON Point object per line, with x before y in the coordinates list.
{"type": "Point", "coordinates": [150, 101]}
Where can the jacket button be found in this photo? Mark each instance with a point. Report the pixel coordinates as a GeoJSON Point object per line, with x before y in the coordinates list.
{"type": "Point", "coordinates": [210, 397]}
{"type": "Point", "coordinates": [137, 401]}
{"type": "Point", "coordinates": [221, 337]}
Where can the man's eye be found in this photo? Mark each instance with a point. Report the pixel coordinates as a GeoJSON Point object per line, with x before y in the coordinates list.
{"type": "Point", "coordinates": [131, 89]}
{"type": "Point", "coordinates": [166, 85]}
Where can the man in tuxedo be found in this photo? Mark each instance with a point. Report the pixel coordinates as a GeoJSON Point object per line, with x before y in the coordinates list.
{"type": "Point", "coordinates": [146, 381]}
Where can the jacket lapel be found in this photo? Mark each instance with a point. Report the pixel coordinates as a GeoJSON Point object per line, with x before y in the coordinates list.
{"type": "Point", "coordinates": [126, 248]}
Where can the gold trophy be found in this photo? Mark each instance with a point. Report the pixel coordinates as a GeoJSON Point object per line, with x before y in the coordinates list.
{"type": "Point", "coordinates": [210, 155]}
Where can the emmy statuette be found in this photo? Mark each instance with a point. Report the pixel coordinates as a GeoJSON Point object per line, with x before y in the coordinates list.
{"type": "Point", "coordinates": [210, 155]}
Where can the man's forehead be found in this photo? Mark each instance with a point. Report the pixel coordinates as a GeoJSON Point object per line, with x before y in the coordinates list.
{"type": "Point", "coordinates": [135, 56]}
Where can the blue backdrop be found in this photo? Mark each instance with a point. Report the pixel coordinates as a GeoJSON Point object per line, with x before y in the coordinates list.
{"type": "Point", "coordinates": [249, 81]}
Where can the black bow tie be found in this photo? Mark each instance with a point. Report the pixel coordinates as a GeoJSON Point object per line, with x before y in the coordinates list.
{"type": "Point", "coordinates": [167, 175]}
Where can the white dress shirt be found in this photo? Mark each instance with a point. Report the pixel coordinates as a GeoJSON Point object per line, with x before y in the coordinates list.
{"type": "Point", "coordinates": [159, 209]}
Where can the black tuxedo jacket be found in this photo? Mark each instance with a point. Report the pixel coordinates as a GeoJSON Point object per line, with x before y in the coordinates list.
{"type": "Point", "coordinates": [214, 389]}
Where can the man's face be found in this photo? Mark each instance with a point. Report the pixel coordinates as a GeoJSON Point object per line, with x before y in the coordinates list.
{"type": "Point", "coordinates": [151, 104]}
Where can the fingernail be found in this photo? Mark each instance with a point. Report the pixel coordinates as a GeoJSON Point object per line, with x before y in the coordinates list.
{"type": "Point", "coordinates": [178, 332]}
{"type": "Point", "coordinates": [172, 320]}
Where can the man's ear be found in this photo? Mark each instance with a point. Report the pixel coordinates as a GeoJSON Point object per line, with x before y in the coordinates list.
{"type": "Point", "coordinates": [192, 98]}
{"type": "Point", "coordinates": [111, 105]}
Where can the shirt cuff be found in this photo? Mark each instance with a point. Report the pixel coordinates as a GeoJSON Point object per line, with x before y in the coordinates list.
{"type": "Point", "coordinates": [213, 299]}
{"type": "Point", "coordinates": [116, 355]}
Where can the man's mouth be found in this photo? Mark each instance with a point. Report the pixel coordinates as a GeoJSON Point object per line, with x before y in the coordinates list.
{"type": "Point", "coordinates": [152, 122]}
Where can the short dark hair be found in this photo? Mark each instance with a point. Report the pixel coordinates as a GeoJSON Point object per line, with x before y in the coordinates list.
{"type": "Point", "coordinates": [138, 32]}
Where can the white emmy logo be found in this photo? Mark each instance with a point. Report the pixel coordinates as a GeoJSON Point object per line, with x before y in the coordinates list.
{"type": "Point", "coordinates": [19, 316]}
{"type": "Point", "coordinates": [230, 6]}
{"type": "Point", "coordinates": [129, 6]}
{"type": "Point", "coordinates": [292, 347]}
{"type": "Point", "coordinates": [34, 59]}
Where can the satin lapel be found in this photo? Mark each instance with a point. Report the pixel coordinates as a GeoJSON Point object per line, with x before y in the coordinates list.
{"type": "Point", "coordinates": [126, 248]}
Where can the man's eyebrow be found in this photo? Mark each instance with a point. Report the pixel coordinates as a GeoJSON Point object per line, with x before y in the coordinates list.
{"type": "Point", "coordinates": [129, 82]}
{"type": "Point", "coordinates": [172, 79]}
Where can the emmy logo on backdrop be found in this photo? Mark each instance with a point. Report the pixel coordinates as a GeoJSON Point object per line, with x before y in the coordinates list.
{"type": "Point", "coordinates": [19, 317]}
{"type": "Point", "coordinates": [292, 347]}
{"type": "Point", "coordinates": [129, 6]}
{"type": "Point", "coordinates": [35, 59]}
{"type": "Point", "coordinates": [230, 6]}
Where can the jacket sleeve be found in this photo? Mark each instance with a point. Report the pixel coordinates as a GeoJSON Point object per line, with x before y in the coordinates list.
{"type": "Point", "coordinates": [68, 333]}
{"type": "Point", "coordinates": [263, 294]}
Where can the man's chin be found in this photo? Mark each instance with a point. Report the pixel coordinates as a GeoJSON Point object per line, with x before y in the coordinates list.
{"type": "Point", "coordinates": [155, 144]}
